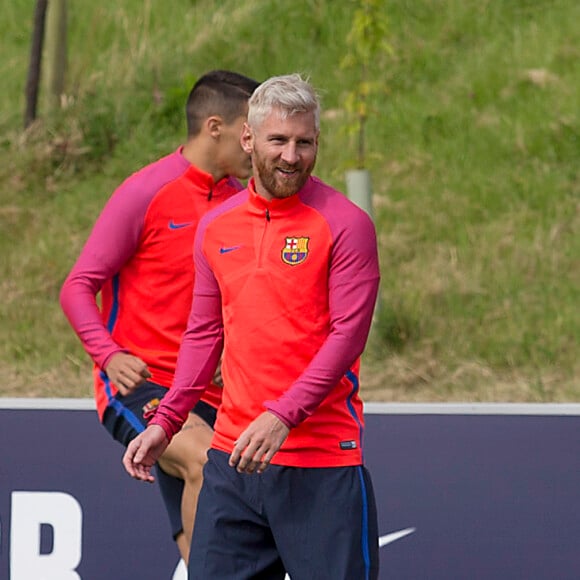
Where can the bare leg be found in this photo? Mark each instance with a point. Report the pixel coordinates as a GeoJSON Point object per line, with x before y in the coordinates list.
{"type": "Point", "coordinates": [185, 458]}
{"type": "Point", "coordinates": [183, 546]}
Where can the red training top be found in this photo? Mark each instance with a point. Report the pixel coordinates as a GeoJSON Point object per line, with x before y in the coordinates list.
{"type": "Point", "coordinates": [288, 286]}
{"type": "Point", "coordinates": [139, 257]}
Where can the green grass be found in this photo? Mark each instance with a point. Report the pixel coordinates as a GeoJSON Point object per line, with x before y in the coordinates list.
{"type": "Point", "coordinates": [473, 146]}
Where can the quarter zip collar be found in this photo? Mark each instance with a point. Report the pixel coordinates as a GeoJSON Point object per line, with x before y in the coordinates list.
{"type": "Point", "coordinates": [202, 182]}
{"type": "Point", "coordinates": [262, 206]}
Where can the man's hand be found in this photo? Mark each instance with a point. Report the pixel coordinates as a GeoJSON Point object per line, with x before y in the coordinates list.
{"type": "Point", "coordinates": [127, 372]}
{"type": "Point", "coordinates": [217, 377]}
{"type": "Point", "coordinates": [144, 451]}
{"type": "Point", "coordinates": [259, 442]}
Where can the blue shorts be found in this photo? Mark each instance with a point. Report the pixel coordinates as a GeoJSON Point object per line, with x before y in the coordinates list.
{"type": "Point", "coordinates": [124, 420]}
{"type": "Point", "coordinates": [310, 522]}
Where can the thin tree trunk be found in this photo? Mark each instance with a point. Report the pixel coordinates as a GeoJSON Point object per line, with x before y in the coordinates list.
{"type": "Point", "coordinates": [33, 81]}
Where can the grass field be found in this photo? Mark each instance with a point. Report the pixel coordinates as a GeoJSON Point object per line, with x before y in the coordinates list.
{"type": "Point", "coordinates": [473, 145]}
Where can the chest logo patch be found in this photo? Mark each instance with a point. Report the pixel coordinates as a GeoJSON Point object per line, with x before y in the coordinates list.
{"type": "Point", "coordinates": [295, 251]}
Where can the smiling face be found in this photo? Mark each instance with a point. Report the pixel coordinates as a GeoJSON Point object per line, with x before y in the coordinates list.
{"type": "Point", "coordinates": [283, 151]}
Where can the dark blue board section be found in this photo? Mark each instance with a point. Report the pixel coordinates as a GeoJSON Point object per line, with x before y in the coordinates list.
{"type": "Point", "coordinates": [490, 497]}
{"type": "Point", "coordinates": [125, 532]}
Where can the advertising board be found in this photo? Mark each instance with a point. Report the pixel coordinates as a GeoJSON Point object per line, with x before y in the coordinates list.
{"type": "Point", "coordinates": [463, 492]}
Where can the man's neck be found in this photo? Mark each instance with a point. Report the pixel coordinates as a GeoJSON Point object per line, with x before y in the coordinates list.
{"type": "Point", "coordinates": [198, 154]}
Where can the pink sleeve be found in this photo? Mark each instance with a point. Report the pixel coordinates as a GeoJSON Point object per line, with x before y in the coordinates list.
{"type": "Point", "coordinates": [200, 348]}
{"type": "Point", "coordinates": [353, 286]}
{"type": "Point", "coordinates": [112, 242]}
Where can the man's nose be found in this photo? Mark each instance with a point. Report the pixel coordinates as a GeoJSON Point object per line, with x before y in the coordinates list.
{"type": "Point", "coordinates": [290, 154]}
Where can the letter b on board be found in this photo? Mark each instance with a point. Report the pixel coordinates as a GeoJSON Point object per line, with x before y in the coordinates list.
{"type": "Point", "coordinates": [60, 511]}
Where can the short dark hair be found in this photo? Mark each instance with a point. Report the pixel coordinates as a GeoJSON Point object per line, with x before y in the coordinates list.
{"type": "Point", "coordinates": [218, 92]}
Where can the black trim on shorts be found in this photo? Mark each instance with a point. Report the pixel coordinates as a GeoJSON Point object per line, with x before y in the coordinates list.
{"type": "Point", "coordinates": [206, 411]}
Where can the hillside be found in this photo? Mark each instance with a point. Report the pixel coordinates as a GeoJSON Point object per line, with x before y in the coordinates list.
{"type": "Point", "coordinates": [473, 144]}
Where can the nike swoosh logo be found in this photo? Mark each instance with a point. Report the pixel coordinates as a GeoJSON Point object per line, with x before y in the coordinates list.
{"type": "Point", "coordinates": [178, 226]}
{"type": "Point", "coordinates": [394, 536]}
{"type": "Point", "coordinates": [229, 249]}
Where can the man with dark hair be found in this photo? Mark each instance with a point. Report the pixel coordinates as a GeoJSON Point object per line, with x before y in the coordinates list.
{"type": "Point", "coordinates": [139, 257]}
{"type": "Point", "coordinates": [286, 280]}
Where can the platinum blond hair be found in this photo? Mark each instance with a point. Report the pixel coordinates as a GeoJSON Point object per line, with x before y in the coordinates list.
{"type": "Point", "coordinates": [288, 94]}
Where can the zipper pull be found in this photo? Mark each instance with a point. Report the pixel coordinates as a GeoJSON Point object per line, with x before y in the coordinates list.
{"type": "Point", "coordinates": [210, 194]}
{"type": "Point", "coordinates": [267, 215]}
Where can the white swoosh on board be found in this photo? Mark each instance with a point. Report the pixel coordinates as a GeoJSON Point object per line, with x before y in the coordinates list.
{"type": "Point", "coordinates": [394, 536]}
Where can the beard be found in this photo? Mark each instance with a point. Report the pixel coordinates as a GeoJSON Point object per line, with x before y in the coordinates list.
{"type": "Point", "coordinates": [274, 178]}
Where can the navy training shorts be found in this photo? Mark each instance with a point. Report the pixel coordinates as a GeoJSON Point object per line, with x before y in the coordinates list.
{"type": "Point", "coordinates": [124, 420]}
{"type": "Point", "coordinates": [310, 522]}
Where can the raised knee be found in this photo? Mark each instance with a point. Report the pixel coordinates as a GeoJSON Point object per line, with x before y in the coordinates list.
{"type": "Point", "coordinates": [194, 470]}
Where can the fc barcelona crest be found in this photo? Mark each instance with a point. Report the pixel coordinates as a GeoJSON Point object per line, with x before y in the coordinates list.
{"type": "Point", "coordinates": [295, 251]}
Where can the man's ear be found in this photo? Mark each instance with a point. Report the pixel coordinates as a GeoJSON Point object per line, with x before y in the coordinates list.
{"type": "Point", "coordinates": [213, 125]}
{"type": "Point", "coordinates": [247, 139]}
